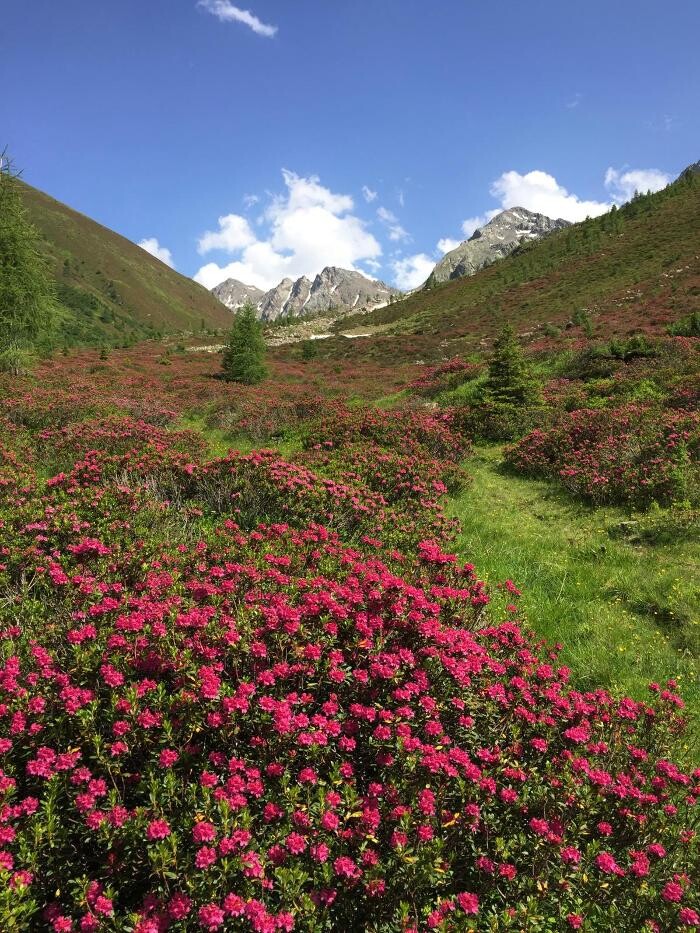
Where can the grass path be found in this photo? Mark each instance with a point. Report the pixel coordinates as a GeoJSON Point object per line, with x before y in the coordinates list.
{"type": "Point", "coordinates": [626, 614]}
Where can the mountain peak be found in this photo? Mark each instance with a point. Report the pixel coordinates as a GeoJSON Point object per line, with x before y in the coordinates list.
{"type": "Point", "coordinates": [235, 294]}
{"type": "Point", "coordinates": [496, 239]}
{"type": "Point", "coordinates": [333, 289]}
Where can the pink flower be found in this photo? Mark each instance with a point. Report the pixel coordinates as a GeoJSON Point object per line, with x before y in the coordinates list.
{"type": "Point", "coordinates": [606, 863]}
{"type": "Point", "coordinates": [205, 857]}
{"type": "Point", "coordinates": [234, 905]}
{"type": "Point", "coordinates": [570, 855]}
{"type": "Point", "coordinates": [319, 852]}
{"type": "Point", "coordinates": [158, 829]}
{"type": "Point", "coordinates": [575, 921]}
{"type": "Point", "coordinates": [330, 820]}
{"type": "Point", "coordinates": [344, 867]}
{"type": "Point", "coordinates": [167, 758]}
{"type": "Point", "coordinates": [578, 734]}
{"type": "Point", "coordinates": [103, 905]}
{"type": "Point", "coordinates": [179, 906]}
{"type": "Point", "coordinates": [295, 843]}
{"type": "Point", "coordinates": [203, 832]}
{"type": "Point", "coordinates": [689, 917]}
{"type": "Point", "coordinates": [469, 903]}
{"type": "Point", "coordinates": [672, 892]}
{"type": "Point", "coordinates": [211, 917]}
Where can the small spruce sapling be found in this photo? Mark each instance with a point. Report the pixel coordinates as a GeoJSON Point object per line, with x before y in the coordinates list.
{"type": "Point", "coordinates": [510, 380]}
{"type": "Point", "coordinates": [244, 355]}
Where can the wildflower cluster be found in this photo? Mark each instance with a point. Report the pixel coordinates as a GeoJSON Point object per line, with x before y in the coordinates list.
{"type": "Point", "coordinates": [253, 693]}
{"type": "Point", "coordinates": [271, 730]}
{"type": "Point", "coordinates": [633, 454]}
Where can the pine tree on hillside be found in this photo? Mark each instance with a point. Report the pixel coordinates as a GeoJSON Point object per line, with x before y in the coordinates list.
{"type": "Point", "coordinates": [510, 380]}
{"type": "Point", "coordinates": [27, 297]}
{"type": "Point", "coordinates": [244, 354]}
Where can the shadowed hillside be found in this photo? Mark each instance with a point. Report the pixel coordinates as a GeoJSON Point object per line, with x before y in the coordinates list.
{"type": "Point", "coordinates": [109, 289]}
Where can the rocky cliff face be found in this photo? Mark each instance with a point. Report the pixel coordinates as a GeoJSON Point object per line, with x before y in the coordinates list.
{"type": "Point", "coordinates": [493, 241]}
{"type": "Point", "coordinates": [333, 290]}
{"type": "Point", "coordinates": [235, 294]}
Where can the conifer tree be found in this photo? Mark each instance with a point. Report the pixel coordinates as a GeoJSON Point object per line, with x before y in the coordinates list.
{"type": "Point", "coordinates": [27, 297]}
{"type": "Point", "coordinates": [244, 354]}
{"type": "Point", "coordinates": [510, 380]}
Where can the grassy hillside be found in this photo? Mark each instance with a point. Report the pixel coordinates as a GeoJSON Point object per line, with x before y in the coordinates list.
{"type": "Point", "coordinates": [110, 290]}
{"type": "Point", "coordinates": [636, 269]}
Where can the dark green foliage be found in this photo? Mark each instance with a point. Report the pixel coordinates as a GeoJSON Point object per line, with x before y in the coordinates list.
{"type": "Point", "coordinates": [583, 320]}
{"type": "Point", "coordinates": [491, 421]}
{"type": "Point", "coordinates": [309, 350]}
{"type": "Point", "coordinates": [26, 288]}
{"type": "Point", "coordinates": [634, 347]}
{"type": "Point", "coordinates": [510, 380]}
{"type": "Point", "coordinates": [687, 327]}
{"type": "Point", "coordinates": [244, 355]}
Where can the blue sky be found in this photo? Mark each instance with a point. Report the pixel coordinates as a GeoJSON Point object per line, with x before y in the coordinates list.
{"type": "Point", "coordinates": [271, 137]}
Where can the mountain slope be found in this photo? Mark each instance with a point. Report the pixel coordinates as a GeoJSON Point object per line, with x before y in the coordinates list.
{"type": "Point", "coordinates": [634, 269]}
{"type": "Point", "coordinates": [109, 289]}
{"type": "Point", "coordinates": [332, 290]}
{"type": "Point", "coordinates": [495, 240]}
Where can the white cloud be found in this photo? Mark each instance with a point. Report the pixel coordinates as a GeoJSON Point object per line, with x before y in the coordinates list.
{"type": "Point", "coordinates": [446, 245]}
{"type": "Point", "coordinates": [152, 246]}
{"type": "Point", "coordinates": [574, 102]}
{"type": "Point", "coordinates": [226, 12]}
{"type": "Point", "coordinates": [412, 271]}
{"type": "Point", "coordinates": [391, 222]}
{"type": "Point", "coordinates": [304, 229]}
{"type": "Point", "coordinates": [234, 233]}
{"type": "Point", "coordinates": [623, 184]}
{"type": "Point", "coordinates": [250, 200]}
{"type": "Point", "coordinates": [368, 194]}
{"type": "Point", "coordinates": [538, 191]}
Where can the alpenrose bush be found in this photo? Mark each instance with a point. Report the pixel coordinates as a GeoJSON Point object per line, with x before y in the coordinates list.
{"type": "Point", "coordinates": [403, 430]}
{"type": "Point", "coordinates": [635, 454]}
{"type": "Point", "coordinates": [396, 498]}
{"type": "Point", "coordinates": [273, 731]}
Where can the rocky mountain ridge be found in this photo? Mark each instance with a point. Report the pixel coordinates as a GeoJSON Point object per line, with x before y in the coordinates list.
{"type": "Point", "coordinates": [493, 241]}
{"type": "Point", "coordinates": [333, 290]}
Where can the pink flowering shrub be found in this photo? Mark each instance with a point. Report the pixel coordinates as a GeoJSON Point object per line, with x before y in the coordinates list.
{"type": "Point", "coordinates": [274, 731]}
{"type": "Point", "coordinates": [249, 693]}
{"type": "Point", "coordinates": [402, 430]}
{"type": "Point", "coordinates": [633, 454]}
